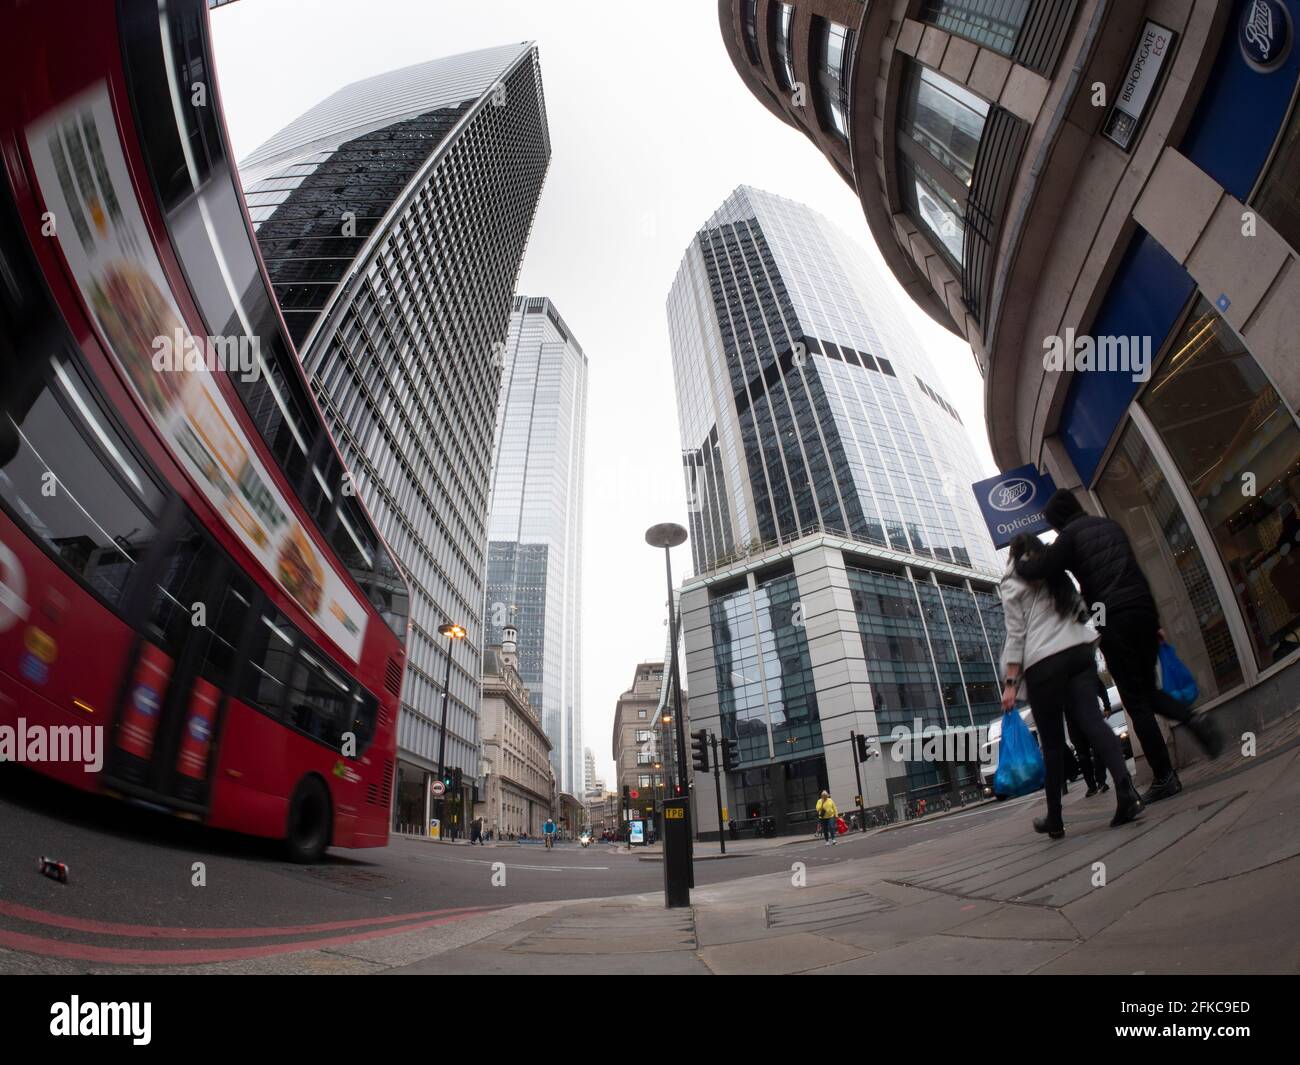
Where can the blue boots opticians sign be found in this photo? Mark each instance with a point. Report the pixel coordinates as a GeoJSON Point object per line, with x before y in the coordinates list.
{"type": "Point", "coordinates": [1264, 33]}
{"type": "Point", "coordinates": [1013, 502]}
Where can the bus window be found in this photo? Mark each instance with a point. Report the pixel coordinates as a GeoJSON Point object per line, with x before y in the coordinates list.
{"type": "Point", "coordinates": [268, 666]}
{"type": "Point", "coordinates": [179, 598]}
{"type": "Point", "coordinates": [370, 564]}
{"type": "Point", "coordinates": [68, 496]}
{"type": "Point", "coordinates": [224, 632]}
{"type": "Point", "coordinates": [364, 708]}
{"type": "Point", "coordinates": [319, 700]}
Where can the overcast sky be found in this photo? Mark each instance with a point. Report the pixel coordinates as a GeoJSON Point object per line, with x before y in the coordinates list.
{"type": "Point", "coordinates": [651, 129]}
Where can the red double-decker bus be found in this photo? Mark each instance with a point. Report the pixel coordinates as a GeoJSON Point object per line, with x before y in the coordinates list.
{"type": "Point", "coordinates": [184, 562]}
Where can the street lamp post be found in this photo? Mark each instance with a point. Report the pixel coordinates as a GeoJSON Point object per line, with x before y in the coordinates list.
{"type": "Point", "coordinates": [667, 536]}
{"type": "Point", "coordinates": [679, 869]}
{"type": "Point", "coordinates": [453, 633]}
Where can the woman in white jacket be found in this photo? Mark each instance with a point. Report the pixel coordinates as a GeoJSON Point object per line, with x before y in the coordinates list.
{"type": "Point", "coordinates": [1050, 646]}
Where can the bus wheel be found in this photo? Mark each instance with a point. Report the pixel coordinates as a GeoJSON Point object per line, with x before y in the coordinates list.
{"type": "Point", "coordinates": [309, 822]}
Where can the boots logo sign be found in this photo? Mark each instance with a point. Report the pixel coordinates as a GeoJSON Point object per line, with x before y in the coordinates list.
{"type": "Point", "coordinates": [1264, 34]}
{"type": "Point", "coordinates": [1012, 494]}
{"type": "Point", "coordinates": [1011, 502]}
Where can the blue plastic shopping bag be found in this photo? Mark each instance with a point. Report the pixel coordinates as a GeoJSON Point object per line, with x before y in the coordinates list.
{"type": "Point", "coordinates": [1020, 762]}
{"type": "Point", "coordinates": [1176, 679]}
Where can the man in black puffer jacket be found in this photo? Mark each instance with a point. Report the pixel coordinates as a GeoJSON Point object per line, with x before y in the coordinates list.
{"type": "Point", "coordinates": [1097, 551]}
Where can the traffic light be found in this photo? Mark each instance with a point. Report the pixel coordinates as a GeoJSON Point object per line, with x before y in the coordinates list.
{"type": "Point", "coordinates": [700, 750]}
{"type": "Point", "coordinates": [861, 742]}
{"type": "Point", "coordinates": [448, 777]}
{"type": "Point", "coordinates": [730, 763]}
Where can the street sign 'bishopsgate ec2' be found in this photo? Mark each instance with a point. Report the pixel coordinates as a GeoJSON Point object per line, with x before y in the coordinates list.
{"type": "Point", "coordinates": [1013, 502]}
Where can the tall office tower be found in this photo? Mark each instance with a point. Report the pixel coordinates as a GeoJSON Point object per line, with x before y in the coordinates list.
{"type": "Point", "coordinates": [534, 577]}
{"type": "Point", "coordinates": [393, 217]}
{"type": "Point", "coordinates": [845, 581]}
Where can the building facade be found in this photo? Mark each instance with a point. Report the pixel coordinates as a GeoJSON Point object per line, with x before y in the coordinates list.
{"type": "Point", "coordinates": [534, 574]}
{"type": "Point", "coordinates": [845, 581]}
{"type": "Point", "coordinates": [393, 217]}
{"type": "Point", "coordinates": [516, 796]}
{"type": "Point", "coordinates": [1101, 198]}
{"type": "Point", "coordinates": [637, 740]}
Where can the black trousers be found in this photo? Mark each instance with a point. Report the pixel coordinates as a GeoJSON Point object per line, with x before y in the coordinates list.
{"type": "Point", "coordinates": [1130, 643]}
{"type": "Point", "coordinates": [1063, 687]}
{"type": "Point", "coordinates": [1090, 762]}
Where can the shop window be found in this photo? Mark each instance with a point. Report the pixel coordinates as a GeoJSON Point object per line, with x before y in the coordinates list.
{"type": "Point", "coordinates": [1237, 447]}
{"type": "Point", "coordinates": [1135, 492]}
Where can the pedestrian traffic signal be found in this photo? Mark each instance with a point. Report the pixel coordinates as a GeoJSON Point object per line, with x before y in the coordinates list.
{"type": "Point", "coordinates": [730, 763]}
{"type": "Point", "coordinates": [700, 750]}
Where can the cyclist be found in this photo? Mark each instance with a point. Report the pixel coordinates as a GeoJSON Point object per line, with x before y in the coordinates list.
{"type": "Point", "coordinates": [548, 830]}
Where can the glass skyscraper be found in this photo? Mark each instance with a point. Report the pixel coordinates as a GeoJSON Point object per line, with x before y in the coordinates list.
{"type": "Point", "coordinates": [393, 217]}
{"type": "Point", "coordinates": [804, 399]}
{"type": "Point", "coordinates": [844, 578]}
{"type": "Point", "coordinates": [534, 577]}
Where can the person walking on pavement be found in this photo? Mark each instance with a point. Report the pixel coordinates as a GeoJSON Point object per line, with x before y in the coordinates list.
{"type": "Point", "coordinates": [1051, 646]}
{"type": "Point", "coordinates": [1090, 762]}
{"type": "Point", "coordinates": [826, 815]}
{"type": "Point", "coordinates": [1097, 551]}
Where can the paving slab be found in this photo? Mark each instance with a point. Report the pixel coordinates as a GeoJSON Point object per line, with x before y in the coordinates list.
{"type": "Point", "coordinates": [890, 928]}
{"type": "Point", "coordinates": [937, 954]}
{"type": "Point", "coordinates": [793, 953]}
{"type": "Point", "coordinates": [1247, 924]}
{"type": "Point", "coordinates": [1016, 921]}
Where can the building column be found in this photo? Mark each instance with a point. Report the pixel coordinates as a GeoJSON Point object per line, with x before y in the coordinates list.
{"type": "Point", "coordinates": [844, 700]}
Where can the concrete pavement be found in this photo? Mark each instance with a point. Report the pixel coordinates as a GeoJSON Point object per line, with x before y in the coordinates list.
{"type": "Point", "coordinates": [1203, 883]}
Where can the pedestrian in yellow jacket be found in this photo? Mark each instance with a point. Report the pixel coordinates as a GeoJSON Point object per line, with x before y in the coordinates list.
{"type": "Point", "coordinates": [827, 814]}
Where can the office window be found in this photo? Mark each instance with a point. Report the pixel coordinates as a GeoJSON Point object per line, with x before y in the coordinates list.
{"type": "Point", "coordinates": [750, 19]}
{"type": "Point", "coordinates": [943, 118]}
{"type": "Point", "coordinates": [993, 23]}
{"type": "Point", "coordinates": [1278, 199]}
{"type": "Point", "coordinates": [934, 208]}
{"type": "Point", "coordinates": [782, 18]}
{"type": "Point", "coordinates": [834, 51]}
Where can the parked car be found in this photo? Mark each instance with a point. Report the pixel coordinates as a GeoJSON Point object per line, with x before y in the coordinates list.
{"type": "Point", "coordinates": [1117, 719]}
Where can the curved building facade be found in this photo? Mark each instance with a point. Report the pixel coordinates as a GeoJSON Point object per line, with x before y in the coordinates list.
{"type": "Point", "coordinates": [1100, 196]}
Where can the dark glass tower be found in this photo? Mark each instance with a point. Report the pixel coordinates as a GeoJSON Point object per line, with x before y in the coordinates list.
{"type": "Point", "coordinates": [393, 217]}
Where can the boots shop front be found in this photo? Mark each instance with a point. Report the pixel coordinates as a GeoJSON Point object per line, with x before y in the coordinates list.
{"type": "Point", "coordinates": [1187, 434]}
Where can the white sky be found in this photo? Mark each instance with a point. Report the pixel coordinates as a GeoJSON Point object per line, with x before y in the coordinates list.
{"type": "Point", "coordinates": [651, 129]}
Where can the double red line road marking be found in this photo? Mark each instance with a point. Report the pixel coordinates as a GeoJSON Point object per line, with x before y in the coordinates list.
{"type": "Point", "coordinates": [59, 948]}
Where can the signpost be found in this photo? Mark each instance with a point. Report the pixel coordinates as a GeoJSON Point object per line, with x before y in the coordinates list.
{"type": "Point", "coordinates": [677, 856]}
{"type": "Point", "coordinates": [1013, 502]}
